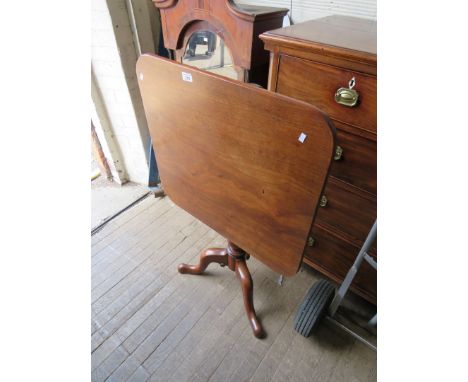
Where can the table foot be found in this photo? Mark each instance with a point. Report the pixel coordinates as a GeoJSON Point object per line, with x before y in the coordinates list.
{"type": "Point", "coordinates": [208, 256]}
{"type": "Point", "coordinates": [235, 258]}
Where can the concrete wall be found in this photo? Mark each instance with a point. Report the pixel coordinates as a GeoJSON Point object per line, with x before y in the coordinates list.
{"type": "Point", "coordinates": [115, 48]}
{"type": "Point", "coordinates": [104, 131]}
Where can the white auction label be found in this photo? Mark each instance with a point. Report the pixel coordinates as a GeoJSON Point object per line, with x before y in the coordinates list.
{"type": "Point", "coordinates": [187, 76]}
{"type": "Point", "coordinates": [302, 137]}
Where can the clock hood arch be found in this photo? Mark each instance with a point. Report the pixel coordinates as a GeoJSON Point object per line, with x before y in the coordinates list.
{"type": "Point", "coordinates": [236, 24]}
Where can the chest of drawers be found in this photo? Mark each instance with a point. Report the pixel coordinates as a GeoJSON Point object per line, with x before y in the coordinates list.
{"type": "Point", "coordinates": [311, 61]}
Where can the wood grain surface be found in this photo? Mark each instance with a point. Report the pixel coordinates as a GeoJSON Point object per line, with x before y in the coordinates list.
{"type": "Point", "coordinates": [351, 38]}
{"type": "Point", "coordinates": [229, 154]}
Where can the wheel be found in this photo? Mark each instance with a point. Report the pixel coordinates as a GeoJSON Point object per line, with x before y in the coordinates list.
{"type": "Point", "coordinates": [313, 307]}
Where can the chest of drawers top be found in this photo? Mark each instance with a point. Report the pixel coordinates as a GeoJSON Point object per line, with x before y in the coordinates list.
{"type": "Point", "coordinates": [336, 40]}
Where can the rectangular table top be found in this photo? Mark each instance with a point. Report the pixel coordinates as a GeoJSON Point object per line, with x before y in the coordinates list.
{"type": "Point", "coordinates": [249, 163]}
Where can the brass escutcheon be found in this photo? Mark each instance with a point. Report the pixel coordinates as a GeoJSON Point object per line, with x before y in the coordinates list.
{"type": "Point", "coordinates": [323, 201]}
{"type": "Point", "coordinates": [338, 153]}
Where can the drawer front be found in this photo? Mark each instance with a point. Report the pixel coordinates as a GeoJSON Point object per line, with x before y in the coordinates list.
{"type": "Point", "coordinates": [317, 84]}
{"type": "Point", "coordinates": [348, 211]}
{"type": "Point", "coordinates": [358, 162]}
{"type": "Point", "coordinates": [333, 257]}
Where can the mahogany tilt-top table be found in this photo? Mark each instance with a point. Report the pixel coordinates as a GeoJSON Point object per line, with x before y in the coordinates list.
{"type": "Point", "coordinates": [249, 163]}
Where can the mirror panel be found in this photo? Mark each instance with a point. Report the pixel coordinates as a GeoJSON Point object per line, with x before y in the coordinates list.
{"type": "Point", "coordinates": [206, 50]}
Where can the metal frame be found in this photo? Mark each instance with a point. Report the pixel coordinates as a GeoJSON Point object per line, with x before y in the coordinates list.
{"type": "Point", "coordinates": [344, 287]}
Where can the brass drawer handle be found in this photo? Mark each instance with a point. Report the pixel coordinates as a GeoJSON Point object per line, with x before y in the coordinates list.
{"type": "Point", "coordinates": [347, 96]}
{"type": "Point", "coordinates": [323, 201]}
{"type": "Point", "coordinates": [338, 153]}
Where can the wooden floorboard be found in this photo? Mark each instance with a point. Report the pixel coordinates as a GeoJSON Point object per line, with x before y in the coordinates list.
{"type": "Point", "coordinates": [149, 323]}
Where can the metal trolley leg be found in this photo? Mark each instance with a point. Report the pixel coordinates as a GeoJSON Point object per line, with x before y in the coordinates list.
{"type": "Point", "coordinates": [363, 255]}
{"type": "Point", "coordinates": [322, 298]}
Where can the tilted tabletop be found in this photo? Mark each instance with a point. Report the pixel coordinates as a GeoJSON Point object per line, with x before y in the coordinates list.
{"type": "Point", "coordinates": [249, 163]}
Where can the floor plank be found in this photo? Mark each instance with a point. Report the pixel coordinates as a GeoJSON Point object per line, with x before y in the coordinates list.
{"type": "Point", "coordinates": [151, 323]}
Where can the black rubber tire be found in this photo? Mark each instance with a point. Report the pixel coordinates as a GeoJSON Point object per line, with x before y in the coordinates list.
{"type": "Point", "coordinates": [313, 307]}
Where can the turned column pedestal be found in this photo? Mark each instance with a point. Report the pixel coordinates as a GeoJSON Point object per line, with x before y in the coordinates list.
{"type": "Point", "coordinates": [235, 258]}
